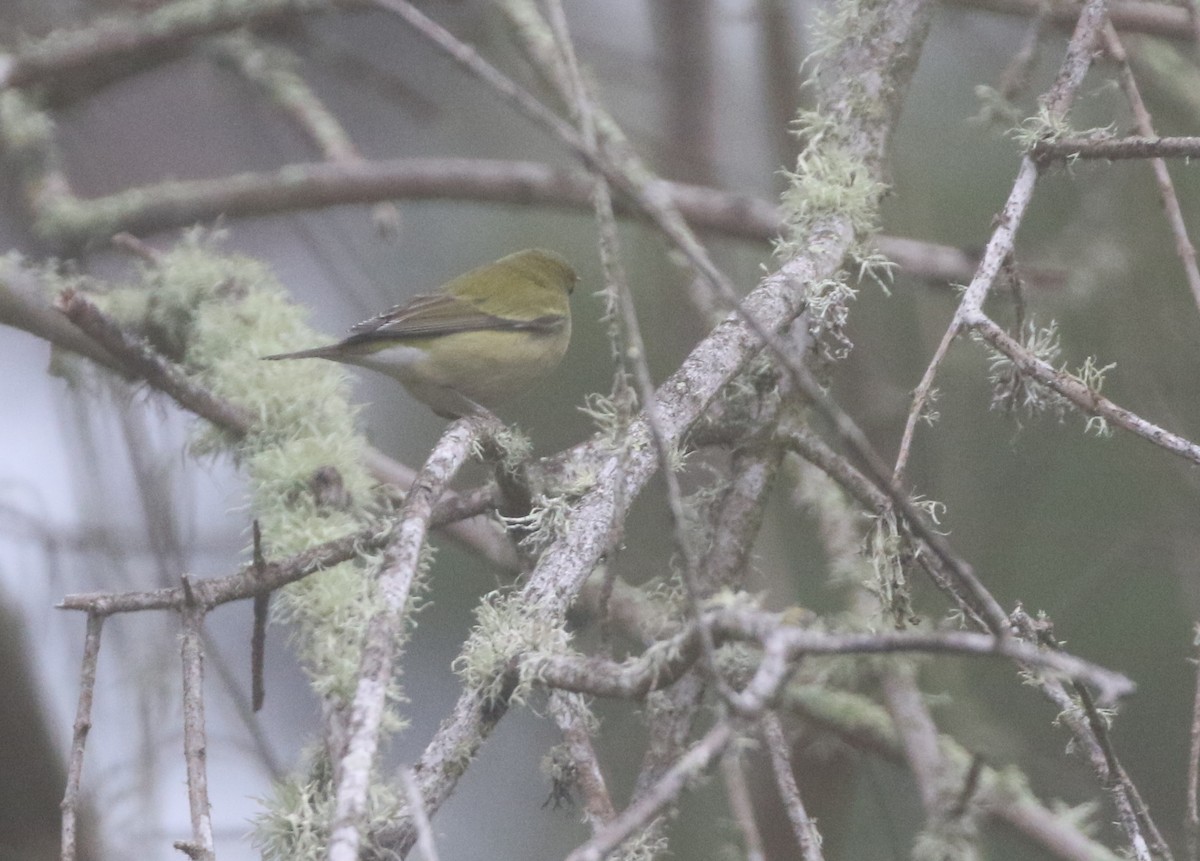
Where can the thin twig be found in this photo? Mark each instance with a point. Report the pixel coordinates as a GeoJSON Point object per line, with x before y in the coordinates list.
{"type": "Point", "coordinates": [1160, 19]}
{"type": "Point", "coordinates": [416, 808]}
{"type": "Point", "coordinates": [83, 724]}
{"type": "Point", "coordinates": [195, 745]}
{"type": "Point", "coordinates": [271, 69]}
{"type": "Point", "coordinates": [258, 636]}
{"type": "Point", "coordinates": [666, 661]}
{"type": "Point", "coordinates": [1166, 188]}
{"type": "Point", "coordinates": [1113, 149]}
{"type": "Point", "coordinates": [741, 804]}
{"type": "Point", "coordinates": [921, 397]}
{"type": "Point", "coordinates": [639, 814]}
{"type": "Point", "coordinates": [917, 732]}
{"type": "Point", "coordinates": [66, 54]}
{"type": "Point", "coordinates": [249, 581]}
{"type": "Point", "coordinates": [245, 583]}
{"type": "Point", "coordinates": [1085, 727]}
{"type": "Point", "coordinates": [1191, 819]}
{"type": "Point", "coordinates": [268, 67]}
{"type": "Point", "coordinates": [999, 248]}
{"type": "Point", "coordinates": [23, 306]}
{"type": "Point", "coordinates": [146, 364]}
{"type": "Point", "coordinates": [803, 828]}
{"type": "Point", "coordinates": [1089, 401]}
{"type": "Point", "coordinates": [1157, 846]}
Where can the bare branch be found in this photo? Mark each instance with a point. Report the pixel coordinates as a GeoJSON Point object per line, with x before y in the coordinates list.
{"type": "Point", "coordinates": [803, 828]}
{"type": "Point", "coordinates": [195, 744]}
{"type": "Point", "coordinates": [416, 805]}
{"type": "Point", "coordinates": [1191, 821]}
{"type": "Point", "coordinates": [258, 636]}
{"type": "Point", "coordinates": [71, 55]}
{"type": "Point", "coordinates": [1160, 19]}
{"type": "Point", "coordinates": [917, 731]}
{"type": "Point", "coordinates": [741, 804]}
{"type": "Point", "coordinates": [149, 366]}
{"type": "Point", "coordinates": [23, 306]}
{"type": "Point", "coordinates": [83, 724]}
{"type": "Point", "coordinates": [1113, 149]}
{"type": "Point", "coordinates": [1166, 188]}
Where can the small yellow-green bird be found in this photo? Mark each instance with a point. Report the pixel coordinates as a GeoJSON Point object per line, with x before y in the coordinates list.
{"type": "Point", "coordinates": [473, 343]}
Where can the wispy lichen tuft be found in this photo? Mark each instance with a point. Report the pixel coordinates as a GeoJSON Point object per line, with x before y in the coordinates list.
{"type": "Point", "coordinates": [507, 629]}
{"type": "Point", "coordinates": [294, 824]}
{"type": "Point", "coordinates": [1014, 391]}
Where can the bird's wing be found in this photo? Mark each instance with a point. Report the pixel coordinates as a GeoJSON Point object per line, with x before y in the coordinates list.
{"type": "Point", "coordinates": [434, 314]}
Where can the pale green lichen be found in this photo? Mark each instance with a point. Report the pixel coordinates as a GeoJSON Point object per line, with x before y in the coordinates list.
{"type": "Point", "coordinates": [547, 521]}
{"type": "Point", "coordinates": [560, 770]}
{"type": "Point", "coordinates": [1044, 126]}
{"type": "Point", "coordinates": [1091, 374]}
{"type": "Point", "coordinates": [891, 553]}
{"type": "Point", "coordinates": [835, 188]}
{"type": "Point", "coordinates": [608, 417]}
{"type": "Point", "coordinates": [831, 184]}
{"type": "Point", "coordinates": [216, 315]}
{"type": "Point", "coordinates": [948, 838]}
{"type": "Point", "coordinates": [295, 820]}
{"type": "Point", "coordinates": [1014, 391]}
{"type": "Point", "coordinates": [27, 130]}
{"type": "Point", "coordinates": [647, 845]}
{"type": "Point", "coordinates": [830, 179]}
{"type": "Point", "coordinates": [513, 447]}
{"type": "Point", "coordinates": [507, 628]}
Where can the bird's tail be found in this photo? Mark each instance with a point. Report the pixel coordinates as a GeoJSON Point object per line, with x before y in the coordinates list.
{"type": "Point", "coordinates": [314, 353]}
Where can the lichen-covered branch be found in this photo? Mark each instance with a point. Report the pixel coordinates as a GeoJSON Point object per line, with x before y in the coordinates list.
{"type": "Point", "coordinates": [398, 573]}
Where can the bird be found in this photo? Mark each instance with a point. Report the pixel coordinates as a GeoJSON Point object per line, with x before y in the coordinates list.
{"type": "Point", "coordinates": [475, 342]}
